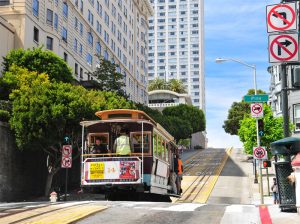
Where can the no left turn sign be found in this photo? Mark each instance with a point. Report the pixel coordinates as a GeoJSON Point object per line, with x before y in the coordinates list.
{"type": "Point", "coordinates": [67, 150]}
{"type": "Point", "coordinates": [66, 156]}
{"type": "Point", "coordinates": [281, 17]}
{"type": "Point", "coordinates": [257, 110]}
{"type": "Point", "coordinates": [260, 153]}
{"type": "Point", "coordinates": [283, 48]}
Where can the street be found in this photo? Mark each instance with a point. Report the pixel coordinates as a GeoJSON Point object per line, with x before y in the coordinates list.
{"type": "Point", "coordinates": [211, 194]}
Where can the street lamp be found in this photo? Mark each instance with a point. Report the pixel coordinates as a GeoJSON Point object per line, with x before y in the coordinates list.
{"type": "Point", "coordinates": [220, 60]}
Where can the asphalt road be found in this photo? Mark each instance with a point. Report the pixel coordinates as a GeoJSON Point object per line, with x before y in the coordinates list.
{"type": "Point", "coordinates": [226, 194]}
{"type": "Point", "coordinates": [228, 202]}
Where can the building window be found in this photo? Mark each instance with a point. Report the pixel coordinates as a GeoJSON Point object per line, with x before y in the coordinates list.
{"type": "Point", "coordinates": [36, 34]}
{"type": "Point", "coordinates": [35, 7]}
{"type": "Point", "coordinates": [55, 21]}
{"type": "Point", "coordinates": [76, 69]}
{"type": "Point", "coordinates": [50, 43]}
{"type": "Point", "coordinates": [80, 49]}
{"type": "Point", "coordinates": [89, 59]}
{"type": "Point", "coordinates": [81, 73]}
{"type": "Point", "coordinates": [65, 57]}
{"type": "Point", "coordinates": [297, 117]}
{"type": "Point", "coordinates": [90, 38]}
{"type": "Point", "coordinates": [64, 34]}
{"type": "Point", "coordinates": [75, 44]}
{"type": "Point", "coordinates": [49, 17]}
{"type": "Point", "coordinates": [65, 9]}
{"type": "Point", "coordinates": [81, 29]}
{"type": "Point", "coordinates": [81, 6]}
{"type": "Point", "coordinates": [98, 48]}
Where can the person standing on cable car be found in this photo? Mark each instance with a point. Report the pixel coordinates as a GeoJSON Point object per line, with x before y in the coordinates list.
{"type": "Point", "coordinates": [122, 144]}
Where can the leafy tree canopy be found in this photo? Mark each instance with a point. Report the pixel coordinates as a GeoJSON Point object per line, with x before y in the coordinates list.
{"type": "Point", "coordinates": [37, 60]}
{"type": "Point", "coordinates": [236, 113]}
{"type": "Point", "coordinates": [273, 130]}
{"type": "Point", "coordinates": [193, 115]}
{"type": "Point", "coordinates": [44, 112]}
{"type": "Point", "coordinates": [108, 79]}
{"type": "Point", "coordinates": [172, 85]}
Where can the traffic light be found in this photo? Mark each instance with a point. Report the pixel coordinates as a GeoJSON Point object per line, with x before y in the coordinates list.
{"type": "Point", "coordinates": [260, 127]}
{"type": "Point", "coordinates": [267, 163]}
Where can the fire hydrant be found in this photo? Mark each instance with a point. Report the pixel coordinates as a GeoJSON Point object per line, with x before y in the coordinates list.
{"type": "Point", "coordinates": [53, 197]}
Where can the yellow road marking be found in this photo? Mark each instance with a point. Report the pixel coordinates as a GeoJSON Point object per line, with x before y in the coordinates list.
{"type": "Point", "coordinates": [66, 216]}
{"type": "Point", "coordinates": [51, 211]}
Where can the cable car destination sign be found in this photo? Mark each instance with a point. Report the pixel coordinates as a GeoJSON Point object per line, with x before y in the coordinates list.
{"type": "Point", "coordinates": [283, 46]}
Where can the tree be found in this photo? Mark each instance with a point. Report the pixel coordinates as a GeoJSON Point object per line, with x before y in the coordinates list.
{"type": "Point", "coordinates": [236, 113]}
{"type": "Point", "coordinates": [178, 128]}
{"type": "Point", "coordinates": [176, 85]}
{"type": "Point", "coordinates": [38, 60]}
{"type": "Point", "coordinates": [273, 130]}
{"type": "Point", "coordinates": [157, 84]}
{"type": "Point", "coordinates": [108, 79]}
{"type": "Point", "coordinates": [44, 112]}
{"type": "Point", "coordinates": [193, 115]}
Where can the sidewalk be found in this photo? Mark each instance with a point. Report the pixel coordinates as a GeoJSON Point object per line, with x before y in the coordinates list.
{"type": "Point", "coordinates": [269, 210]}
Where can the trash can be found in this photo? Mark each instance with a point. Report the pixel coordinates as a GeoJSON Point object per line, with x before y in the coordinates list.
{"type": "Point", "coordinates": [283, 149]}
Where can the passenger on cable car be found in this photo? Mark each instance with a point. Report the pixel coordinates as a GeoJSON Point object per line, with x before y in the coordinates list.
{"type": "Point", "coordinates": [122, 144]}
{"type": "Point", "coordinates": [99, 148]}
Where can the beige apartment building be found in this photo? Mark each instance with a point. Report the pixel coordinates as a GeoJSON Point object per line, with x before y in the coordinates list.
{"type": "Point", "coordinates": [79, 30]}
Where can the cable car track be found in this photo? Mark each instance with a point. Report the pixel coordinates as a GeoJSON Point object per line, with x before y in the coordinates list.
{"type": "Point", "coordinates": [201, 175]}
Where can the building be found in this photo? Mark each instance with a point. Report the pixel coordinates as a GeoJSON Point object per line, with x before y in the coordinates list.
{"type": "Point", "coordinates": [160, 99]}
{"type": "Point", "coordinates": [78, 30]}
{"type": "Point", "coordinates": [176, 45]}
{"type": "Point", "coordinates": [293, 97]}
{"type": "Point", "coordinates": [7, 39]}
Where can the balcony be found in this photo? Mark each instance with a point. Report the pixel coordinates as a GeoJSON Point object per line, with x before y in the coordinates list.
{"type": "Point", "coordinates": [162, 105]}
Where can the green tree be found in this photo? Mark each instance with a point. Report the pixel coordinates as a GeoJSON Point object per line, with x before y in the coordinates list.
{"type": "Point", "coordinates": [108, 79]}
{"type": "Point", "coordinates": [44, 112]}
{"type": "Point", "coordinates": [38, 60]}
{"type": "Point", "coordinates": [236, 113]}
{"type": "Point", "coordinates": [193, 115]}
{"type": "Point", "coordinates": [176, 85]}
{"type": "Point", "coordinates": [273, 130]}
{"type": "Point", "coordinates": [157, 84]}
{"type": "Point", "coordinates": [178, 128]}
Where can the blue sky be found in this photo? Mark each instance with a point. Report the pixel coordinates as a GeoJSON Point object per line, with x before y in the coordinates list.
{"type": "Point", "coordinates": [233, 29]}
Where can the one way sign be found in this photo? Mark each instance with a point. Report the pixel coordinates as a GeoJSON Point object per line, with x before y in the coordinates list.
{"type": "Point", "coordinates": [283, 48]}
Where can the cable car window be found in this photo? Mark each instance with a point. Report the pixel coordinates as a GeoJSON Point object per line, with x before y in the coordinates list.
{"type": "Point", "coordinates": [154, 144]}
{"type": "Point", "coordinates": [159, 147]}
{"type": "Point", "coordinates": [163, 146]}
{"type": "Point", "coordinates": [136, 141]}
{"type": "Point", "coordinates": [103, 137]}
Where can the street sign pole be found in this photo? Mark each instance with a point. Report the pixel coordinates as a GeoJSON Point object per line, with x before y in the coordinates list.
{"type": "Point", "coordinates": [284, 96]}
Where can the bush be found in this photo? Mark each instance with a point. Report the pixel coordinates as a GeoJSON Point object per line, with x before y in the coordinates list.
{"type": "Point", "coordinates": [4, 115]}
{"type": "Point", "coordinates": [198, 147]}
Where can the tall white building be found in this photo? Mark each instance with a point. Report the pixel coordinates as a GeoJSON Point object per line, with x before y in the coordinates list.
{"type": "Point", "coordinates": [78, 30]}
{"type": "Point", "coordinates": [176, 45]}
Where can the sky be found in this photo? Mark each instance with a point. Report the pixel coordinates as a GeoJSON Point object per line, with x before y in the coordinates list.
{"type": "Point", "coordinates": [233, 29]}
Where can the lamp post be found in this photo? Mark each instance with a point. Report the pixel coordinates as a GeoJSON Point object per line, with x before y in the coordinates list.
{"type": "Point", "coordinates": [220, 60]}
